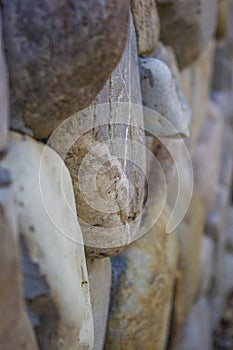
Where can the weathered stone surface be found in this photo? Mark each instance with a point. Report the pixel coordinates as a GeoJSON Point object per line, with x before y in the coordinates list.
{"type": "Point", "coordinates": [182, 20]}
{"type": "Point", "coordinates": [59, 56]}
{"type": "Point", "coordinates": [196, 332]}
{"type": "Point", "coordinates": [195, 83]}
{"type": "Point", "coordinates": [159, 95]}
{"type": "Point", "coordinates": [53, 239]}
{"type": "Point", "coordinates": [107, 163]}
{"type": "Point", "coordinates": [206, 265]}
{"type": "Point", "coordinates": [166, 54]}
{"type": "Point", "coordinates": [147, 26]}
{"type": "Point", "coordinates": [15, 332]}
{"type": "Point", "coordinates": [142, 288]}
{"type": "Point", "coordinates": [99, 273]}
{"type": "Point", "coordinates": [208, 146]}
{"type": "Point", "coordinates": [189, 235]}
{"type": "Point", "coordinates": [4, 95]}
{"type": "Point", "coordinates": [222, 19]}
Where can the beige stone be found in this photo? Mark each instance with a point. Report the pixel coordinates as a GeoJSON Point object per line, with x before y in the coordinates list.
{"type": "Point", "coordinates": [208, 147]}
{"type": "Point", "coordinates": [142, 289]}
{"type": "Point", "coordinates": [4, 95]}
{"type": "Point", "coordinates": [60, 56]}
{"type": "Point", "coordinates": [195, 83]}
{"type": "Point", "coordinates": [15, 332]}
{"type": "Point", "coordinates": [187, 26]}
{"type": "Point", "coordinates": [53, 238]}
{"type": "Point", "coordinates": [147, 26]}
{"type": "Point", "coordinates": [107, 163]}
{"type": "Point", "coordinates": [163, 114]}
{"type": "Point", "coordinates": [99, 273]}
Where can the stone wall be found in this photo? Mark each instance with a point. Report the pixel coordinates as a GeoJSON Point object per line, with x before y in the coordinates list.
{"type": "Point", "coordinates": [116, 161]}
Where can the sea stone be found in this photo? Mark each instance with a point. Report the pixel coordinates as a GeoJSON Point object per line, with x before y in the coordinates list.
{"type": "Point", "coordinates": [147, 26]}
{"type": "Point", "coordinates": [142, 289]}
{"type": "Point", "coordinates": [53, 241]}
{"type": "Point", "coordinates": [12, 308]}
{"type": "Point", "coordinates": [184, 19]}
{"type": "Point", "coordinates": [106, 158]}
{"type": "Point", "coordinates": [99, 274]}
{"type": "Point", "coordinates": [59, 56]}
{"type": "Point", "coordinates": [4, 95]}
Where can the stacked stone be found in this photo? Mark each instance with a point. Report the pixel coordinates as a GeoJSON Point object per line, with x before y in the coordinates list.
{"type": "Point", "coordinates": [127, 94]}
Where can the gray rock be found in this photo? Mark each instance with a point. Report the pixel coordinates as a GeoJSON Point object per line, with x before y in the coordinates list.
{"type": "Point", "coordinates": [147, 26]}
{"type": "Point", "coordinates": [185, 19]}
{"type": "Point", "coordinates": [12, 308]}
{"type": "Point", "coordinates": [59, 56]}
{"type": "Point", "coordinates": [4, 95]}
{"type": "Point", "coordinates": [99, 273]}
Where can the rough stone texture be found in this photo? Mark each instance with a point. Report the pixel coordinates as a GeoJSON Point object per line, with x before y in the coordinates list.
{"type": "Point", "coordinates": [206, 265]}
{"type": "Point", "coordinates": [196, 332]}
{"type": "Point", "coordinates": [159, 96]}
{"type": "Point", "coordinates": [167, 55]}
{"type": "Point", "coordinates": [208, 146]}
{"type": "Point", "coordinates": [195, 83]}
{"type": "Point", "coordinates": [185, 19]}
{"type": "Point", "coordinates": [111, 156]}
{"type": "Point", "coordinates": [60, 54]}
{"type": "Point", "coordinates": [189, 235]}
{"type": "Point", "coordinates": [53, 238]}
{"type": "Point", "coordinates": [99, 273]}
{"type": "Point", "coordinates": [147, 26]}
{"type": "Point", "coordinates": [142, 288]}
{"type": "Point", "coordinates": [222, 18]}
{"type": "Point", "coordinates": [4, 97]}
{"type": "Point", "coordinates": [15, 332]}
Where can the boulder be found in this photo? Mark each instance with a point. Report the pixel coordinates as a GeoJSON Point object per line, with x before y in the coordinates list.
{"type": "Point", "coordinates": [182, 20]}
{"type": "Point", "coordinates": [195, 85]}
{"type": "Point", "coordinates": [208, 146]}
{"type": "Point", "coordinates": [142, 289]}
{"type": "Point", "coordinates": [4, 95]}
{"type": "Point", "coordinates": [16, 332]}
{"type": "Point", "coordinates": [99, 274]}
{"type": "Point", "coordinates": [104, 150]}
{"type": "Point", "coordinates": [59, 56]}
{"type": "Point", "coordinates": [54, 260]}
{"type": "Point", "coordinates": [163, 113]}
{"type": "Point", "coordinates": [147, 26]}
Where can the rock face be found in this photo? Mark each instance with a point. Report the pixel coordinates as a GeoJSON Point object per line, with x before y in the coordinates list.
{"type": "Point", "coordinates": [208, 147]}
{"type": "Point", "coordinates": [107, 159]}
{"type": "Point", "coordinates": [159, 95]}
{"type": "Point", "coordinates": [12, 309]}
{"type": "Point", "coordinates": [142, 288]}
{"type": "Point", "coordinates": [195, 84]}
{"type": "Point", "coordinates": [182, 20]}
{"type": "Point", "coordinates": [4, 98]}
{"type": "Point", "coordinates": [147, 26]}
{"type": "Point", "coordinates": [59, 56]}
{"type": "Point", "coordinates": [58, 294]}
{"type": "Point", "coordinates": [99, 273]}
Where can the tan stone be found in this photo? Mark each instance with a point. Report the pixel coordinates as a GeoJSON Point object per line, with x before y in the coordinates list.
{"type": "Point", "coordinates": [187, 26]}
{"type": "Point", "coordinates": [208, 147]}
{"type": "Point", "coordinates": [53, 238]}
{"type": "Point", "coordinates": [142, 289]}
{"type": "Point", "coordinates": [4, 95]}
{"type": "Point", "coordinates": [99, 273]}
{"type": "Point", "coordinates": [108, 156]}
{"type": "Point", "coordinates": [15, 332]}
{"type": "Point", "coordinates": [147, 26]}
{"type": "Point", "coordinates": [195, 83]}
{"type": "Point", "coordinates": [60, 56]}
